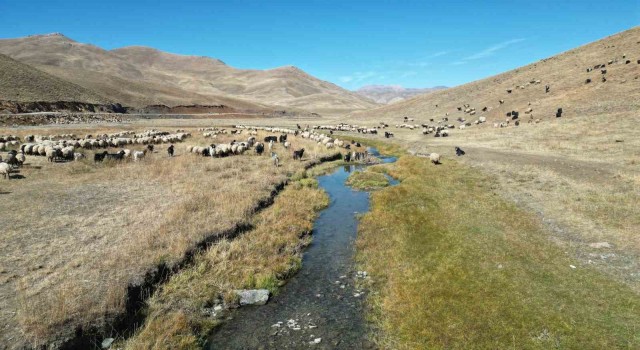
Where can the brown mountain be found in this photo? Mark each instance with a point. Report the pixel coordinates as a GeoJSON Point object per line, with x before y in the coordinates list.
{"type": "Point", "coordinates": [387, 94]}
{"type": "Point", "coordinates": [22, 83]}
{"type": "Point", "coordinates": [566, 74]}
{"type": "Point", "coordinates": [140, 76]}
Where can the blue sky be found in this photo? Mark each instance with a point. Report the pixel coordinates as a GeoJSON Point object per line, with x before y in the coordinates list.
{"type": "Point", "coordinates": [350, 43]}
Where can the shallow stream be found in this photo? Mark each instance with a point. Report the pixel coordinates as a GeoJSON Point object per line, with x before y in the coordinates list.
{"type": "Point", "coordinates": [320, 306]}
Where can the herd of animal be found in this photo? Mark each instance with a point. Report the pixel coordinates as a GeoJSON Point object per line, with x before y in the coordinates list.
{"type": "Point", "coordinates": [70, 147]}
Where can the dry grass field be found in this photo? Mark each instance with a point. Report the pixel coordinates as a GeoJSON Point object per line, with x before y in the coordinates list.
{"type": "Point", "coordinates": [263, 257]}
{"type": "Point", "coordinates": [79, 233]}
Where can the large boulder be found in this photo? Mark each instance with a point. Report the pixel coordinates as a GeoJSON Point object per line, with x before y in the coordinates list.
{"type": "Point", "coordinates": [253, 296]}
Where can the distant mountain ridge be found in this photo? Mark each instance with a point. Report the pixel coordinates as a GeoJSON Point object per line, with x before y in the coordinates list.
{"type": "Point", "coordinates": [387, 94]}
{"type": "Point", "coordinates": [138, 76]}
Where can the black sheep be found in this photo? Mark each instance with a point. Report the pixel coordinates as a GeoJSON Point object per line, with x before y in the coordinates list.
{"type": "Point", "coordinates": [170, 150]}
{"type": "Point", "coordinates": [115, 156]}
{"type": "Point", "coordinates": [283, 138]}
{"type": "Point", "coordinates": [298, 154]}
{"type": "Point", "coordinates": [99, 157]}
{"type": "Point", "coordinates": [259, 149]}
{"type": "Point", "coordinates": [459, 151]}
{"type": "Point", "coordinates": [271, 138]}
{"type": "Point", "coordinates": [150, 148]}
{"type": "Point", "coordinates": [347, 157]}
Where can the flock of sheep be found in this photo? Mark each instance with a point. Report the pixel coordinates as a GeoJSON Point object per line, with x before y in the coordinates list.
{"type": "Point", "coordinates": [65, 147]}
{"type": "Point", "coordinates": [69, 147]}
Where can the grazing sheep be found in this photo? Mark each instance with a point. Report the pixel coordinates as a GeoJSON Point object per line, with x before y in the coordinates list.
{"type": "Point", "coordinates": [52, 154]}
{"type": "Point", "coordinates": [21, 158]}
{"type": "Point", "coordinates": [347, 157]}
{"type": "Point", "coordinates": [78, 156]}
{"type": "Point", "coordinates": [259, 148]}
{"type": "Point", "coordinates": [99, 157]}
{"type": "Point", "coordinates": [287, 144]}
{"type": "Point", "coordinates": [138, 155]}
{"type": "Point", "coordinates": [459, 151]}
{"type": "Point", "coordinates": [150, 148]}
{"type": "Point", "coordinates": [298, 154]}
{"type": "Point", "coordinates": [435, 158]}
{"type": "Point", "coordinates": [115, 156]}
{"type": "Point", "coordinates": [5, 170]}
{"type": "Point", "coordinates": [271, 138]}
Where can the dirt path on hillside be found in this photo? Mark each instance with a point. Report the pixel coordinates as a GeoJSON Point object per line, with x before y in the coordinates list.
{"type": "Point", "coordinates": [575, 169]}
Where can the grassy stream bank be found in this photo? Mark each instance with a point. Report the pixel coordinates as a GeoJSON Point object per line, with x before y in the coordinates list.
{"type": "Point", "coordinates": [454, 265]}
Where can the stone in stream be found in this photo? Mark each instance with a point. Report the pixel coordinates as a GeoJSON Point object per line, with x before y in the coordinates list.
{"type": "Point", "coordinates": [107, 343]}
{"type": "Point", "coordinates": [253, 296]}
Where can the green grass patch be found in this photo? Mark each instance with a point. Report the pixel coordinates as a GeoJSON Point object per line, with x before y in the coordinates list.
{"type": "Point", "coordinates": [454, 266]}
{"type": "Point", "coordinates": [367, 180]}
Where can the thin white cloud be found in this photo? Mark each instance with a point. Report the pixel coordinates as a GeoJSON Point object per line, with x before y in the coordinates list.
{"type": "Point", "coordinates": [438, 54]}
{"type": "Point", "coordinates": [425, 62]}
{"type": "Point", "coordinates": [359, 76]}
{"type": "Point", "coordinates": [457, 63]}
{"type": "Point", "coordinates": [492, 50]}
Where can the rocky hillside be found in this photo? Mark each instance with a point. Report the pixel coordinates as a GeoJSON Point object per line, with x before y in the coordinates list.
{"type": "Point", "coordinates": [140, 76]}
{"type": "Point", "coordinates": [387, 94]}
{"type": "Point", "coordinates": [599, 78]}
{"type": "Point", "coordinates": [22, 83]}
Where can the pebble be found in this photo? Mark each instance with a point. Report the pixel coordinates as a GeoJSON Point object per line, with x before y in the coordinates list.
{"type": "Point", "coordinates": [572, 266]}
{"type": "Point", "coordinates": [107, 343]}
{"type": "Point", "coordinates": [600, 245]}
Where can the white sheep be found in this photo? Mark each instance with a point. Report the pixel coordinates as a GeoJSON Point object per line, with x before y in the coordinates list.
{"type": "Point", "coordinates": [5, 170]}
{"type": "Point", "coordinates": [77, 156]}
{"type": "Point", "coordinates": [435, 158]}
{"type": "Point", "coordinates": [138, 155]}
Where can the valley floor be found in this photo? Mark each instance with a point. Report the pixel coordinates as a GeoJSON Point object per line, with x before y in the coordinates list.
{"type": "Point", "coordinates": [528, 241]}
